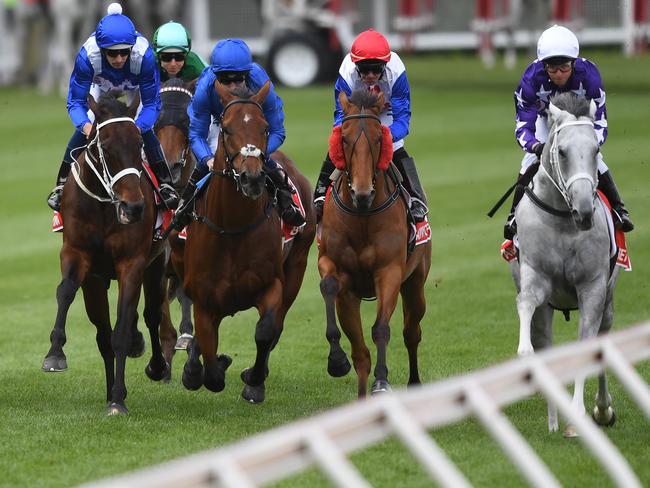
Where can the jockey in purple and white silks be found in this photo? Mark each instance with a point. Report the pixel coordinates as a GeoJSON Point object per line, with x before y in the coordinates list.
{"type": "Point", "coordinates": [231, 65]}
{"type": "Point", "coordinates": [372, 65]}
{"type": "Point", "coordinates": [558, 69]}
{"type": "Point", "coordinates": [115, 57]}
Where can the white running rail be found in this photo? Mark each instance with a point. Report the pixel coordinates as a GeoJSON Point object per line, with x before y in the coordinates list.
{"type": "Point", "coordinates": [325, 440]}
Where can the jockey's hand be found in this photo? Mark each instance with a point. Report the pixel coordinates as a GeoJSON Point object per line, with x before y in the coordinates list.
{"type": "Point", "coordinates": [538, 148]}
{"type": "Point", "coordinates": [210, 163]}
{"type": "Point", "coordinates": [86, 129]}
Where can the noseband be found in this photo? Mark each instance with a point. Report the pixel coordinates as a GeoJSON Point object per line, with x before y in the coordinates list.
{"type": "Point", "coordinates": [560, 183]}
{"type": "Point", "coordinates": [105, 178]}
{"type": "Point", "coordinates": [249, 150]}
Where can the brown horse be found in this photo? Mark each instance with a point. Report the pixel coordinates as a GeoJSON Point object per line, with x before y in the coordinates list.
{"type": "Point", "coordinates": [172, 129]}
{"type": "Point", "coordinates": [363, 248]}
{"type": "Point", "coordinates": [109, 215]}
{"type": "Point", "coordinates": [233, 254]}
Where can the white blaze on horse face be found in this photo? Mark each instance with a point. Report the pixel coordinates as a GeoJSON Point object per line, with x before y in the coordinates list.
{"type": "Point", "coordinates": [247, 118]}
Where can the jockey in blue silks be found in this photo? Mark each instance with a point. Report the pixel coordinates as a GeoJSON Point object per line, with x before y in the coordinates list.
{"type": "Point", "coordinates": [558, 69]}
{"type": "Point", "coordinates": [115, 57]}
{"type": "Point", "coordinates": [231, 64]}
{"type": "Point", "coordinates": [372, 65]}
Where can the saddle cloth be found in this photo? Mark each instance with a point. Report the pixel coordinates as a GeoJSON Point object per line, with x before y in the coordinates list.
{"type": "Point", "coordinates": [618, 247]}
{"type": "Point", "coordinates": [420, 231]}
{"type": "Point", "coordinates": [288, 231]}
{"type": "Point", "coordinates": [163, 217]}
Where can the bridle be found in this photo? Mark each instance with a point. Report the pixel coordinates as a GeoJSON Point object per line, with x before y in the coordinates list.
{"type": "Point", "coordinates": [249, 150]}
{"type": "Point", "coordinates": [561, 184]}
{"type": "Point", "coordinates": [335, 195]}
{"type": "Point", "coordinates": [105, 178]}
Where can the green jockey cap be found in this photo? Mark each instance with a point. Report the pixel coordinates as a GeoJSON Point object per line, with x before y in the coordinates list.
{"type": "Point", "coordinates": [172, 37]}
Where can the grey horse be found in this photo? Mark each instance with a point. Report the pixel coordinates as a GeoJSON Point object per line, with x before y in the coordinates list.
{"type": "Point", "coordinates": [564, 246]}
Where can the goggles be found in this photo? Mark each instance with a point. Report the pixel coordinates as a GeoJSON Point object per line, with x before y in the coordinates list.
{"type": "Point", "coordinates": [168, 57]}
{"type": "Point", "coordinates": [561, 68]}
{"type": "Point", "coordinates": [113, 53]}
{"type": "Point", "coordinates": [376, 68]}
{"type": "Point", "coordinates": [227, 78]}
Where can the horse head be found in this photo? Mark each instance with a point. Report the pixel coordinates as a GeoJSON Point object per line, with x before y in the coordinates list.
{"type": "Point", "coordinates": [114, 155]}
{"type": "Point", "coordinates": [172, 126]}
{"type": "Point", "coordinates": [572, 155]}
{"type": "Point", "coordinates": [361, 146]}
{"type": "Point", "coordinates": [243, 137]}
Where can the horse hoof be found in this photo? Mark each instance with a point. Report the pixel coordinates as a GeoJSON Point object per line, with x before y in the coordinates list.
{"type": "Point", "coordinates": [570, 432]}
{"type": "Point", "coordinates": [604, 418]}
{"type": "Point", "coordinates": [157, 374]}
{"type": "Point", "coordinates": [380, 386]}
{"type": "Point", "coordinates": [253, 394]}
{"type": "Point", "coordinates": [246, 377]}
{"type": "Point", "coordinates": [183, 342]}
{"type": "Point", "coordinates": [192, 380]}
{"type": "Point", "coordinates": [224, 360]}
{"type": "Point", "coordinates": [338, 365]}
{"type": "Point", "coordinates": [54, 364]}
{"type": "Point", "coordinates": [137, 345]}
{"type": "Point", "coordinates": [116, 409]}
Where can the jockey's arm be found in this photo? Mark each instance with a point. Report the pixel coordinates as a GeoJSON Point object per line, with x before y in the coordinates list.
{"type": "Point", "coordinates": [80, 82]}
{"type": "Point", "coordinates": [596, 92]}
{"type": "Point", "coordinates": [274, 114]}
{"type": "Point", "coordinates": [401, 106]}
{"type": "Point", "coordinates": [526, 117]}
{"type": "Point", "coordinates": [340, 86]}
{"type": "Point", "coordinates": [199, 111]}
{"type": "Point", "coordinates": [149, 83]}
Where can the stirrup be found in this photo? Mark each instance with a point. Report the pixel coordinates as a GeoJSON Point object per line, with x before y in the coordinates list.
{"type": "Point", "coordinates": [510, 229]}
{"type": "Point", "coordinates": [54, 198]}
{"type": "Point", "coordinates": [419, 210]}
{"type": "Point", "coordinates": [622, 219]}
{"type": "Point", "coordinates": [168, 195]}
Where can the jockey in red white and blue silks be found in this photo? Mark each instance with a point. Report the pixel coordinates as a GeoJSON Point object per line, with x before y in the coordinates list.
{"type": "Point", "coordinates": [115, 42]}
{"type": "Point", "coordinates": [558, 69]}
{"type": "Point", "coordinates": [372, 65]}
{"type": "Point", "coordinates": [231, 64]}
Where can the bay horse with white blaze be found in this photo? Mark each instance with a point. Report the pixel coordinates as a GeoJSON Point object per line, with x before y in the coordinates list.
{"type": "Point", "coordinates": [564, 246]}
{"type": "Point", "coordinates": [234, 257]}
{"type": "Point", "coordinates": [364, 243]}
{"type": "Point", "coordinates": [109, 215]}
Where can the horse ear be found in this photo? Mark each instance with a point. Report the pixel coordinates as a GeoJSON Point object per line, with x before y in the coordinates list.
{"type": "Point", "coordinates": [380, 101]}
{"type": "Point", "coordinates": [133, 106]}
{"type": "Point", "coordinates": [92, 105]}
{"type": "Point", "coordinates": [592, 110]}
{"type": "Point", "coordinates": [223, 92]}
{"type": "Point", "coordinates": [554, 112]}
{"type": "Point", "coordinates": [261, 95]}
{"type": "Point", "coordinates": [343, 100]}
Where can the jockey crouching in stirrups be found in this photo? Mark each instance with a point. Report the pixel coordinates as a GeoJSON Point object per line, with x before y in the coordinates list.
{"type": "Point", "coordinates": [558, 69]}
{"type": "Point", "coordinates": [373, 66]}
{"type": "Point", "coordinates": [231, 64]}
{"type": "Point", "coordinates": [115, 57]}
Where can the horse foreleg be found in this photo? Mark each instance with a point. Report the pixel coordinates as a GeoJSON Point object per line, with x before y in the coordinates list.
{"type": "Point", "coordinates": [542, 338]}
{"type": "Point", "coordinates": [168, 335]}
{"type": "Point", "coordinates": [603, 412]}
{"type": "Point", "coordinates": [96, 303]}
{"type": "Point", "coordinates": [337, 362]}
{"type": "Point", "coordinates": [266, 333]}
{"type": "Point", "coordinates": [534, 291]}
{"type": "Point", "coordinates": [213, 371]}
{"type": "Point", "coordinates": [154, 295]}
{"type": "Point", "coordinates": [387, 285]}
{"type": "Point", "coordinates": [130, 276]}
{"type": "Point", "coordinates": [74, 267]}
{"type": "Point", "coordinates": [349, 313]}
{"type": "Point", "coordinates": [414, 307]}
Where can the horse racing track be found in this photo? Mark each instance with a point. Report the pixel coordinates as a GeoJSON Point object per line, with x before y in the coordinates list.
{"type": "Point", "coordinates": [54, 426]}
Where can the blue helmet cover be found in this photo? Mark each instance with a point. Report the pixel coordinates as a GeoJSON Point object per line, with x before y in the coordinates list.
{"type": "Point", "coordinates": [115, 29]}
{"type": "Point", "coordinates": [231, 55]}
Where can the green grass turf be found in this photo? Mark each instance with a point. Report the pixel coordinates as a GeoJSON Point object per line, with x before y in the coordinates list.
{"type": "Point", "coordinates": [53, 426]}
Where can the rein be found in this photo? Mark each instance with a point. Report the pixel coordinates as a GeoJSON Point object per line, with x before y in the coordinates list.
{"type": "Point", "coordinates": [335, 193]}
{"type": "Point", "coordinates": [105, 178]}
{"type": "Point", "coordinates": [561, 185]}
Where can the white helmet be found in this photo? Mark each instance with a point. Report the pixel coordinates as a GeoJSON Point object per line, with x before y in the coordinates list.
{"type": "Point", "coordinates": [557, 41]}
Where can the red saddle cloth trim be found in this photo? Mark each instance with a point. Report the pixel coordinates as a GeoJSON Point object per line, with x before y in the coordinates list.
{"type": "Point", "coordinates": [288, 230]}
{"type": "Point", "coordinates": [57, 222]}
{"type": "Point", "coordinates": [153, 179]}
{"type": "Point", "coordinates": [622, 257]}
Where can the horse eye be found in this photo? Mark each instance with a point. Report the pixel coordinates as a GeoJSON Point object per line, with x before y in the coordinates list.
{"type": "Point", "coordinates": [562, 153]}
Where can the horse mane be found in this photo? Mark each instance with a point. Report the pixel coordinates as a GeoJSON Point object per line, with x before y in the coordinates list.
{"type": "Point", "coordinates": [363, 98]}
{"type": "Point", "coordinates": [110, 103]}
{"type": "Point", "coordinates": [572, 103]}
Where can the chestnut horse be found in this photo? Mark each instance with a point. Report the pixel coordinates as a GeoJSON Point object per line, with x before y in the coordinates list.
{"type": "Point", "coordinates": [363, 248]}
{"type": "Point", "coordinates": [234, 256]}
{"type": "Point", "coordinates": [172, 129]}
{"type": "Point", "coordinates": [109, 215]}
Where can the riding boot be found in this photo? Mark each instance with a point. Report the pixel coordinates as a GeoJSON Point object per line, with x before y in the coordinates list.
{"type": "Point", "coordinates": [406, 166]}
{"type": "Point", "coordinates": [321, 186]}
{"type": "Point", "coordinates": [158, 164]}
{"type": "Point", "coordinates": [54, 199]}
{"type": "Point", "coordinates": [183, 215]}
{"type": "Point", "coordinates": [289, 212]}
{"type": "Point", "coordinates": [608, 187]}
{"type": "Point", "coordinates": [510, 229]}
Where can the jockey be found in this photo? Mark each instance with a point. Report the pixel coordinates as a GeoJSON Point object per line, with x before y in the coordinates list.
{"type": "Point", "coordinates": [115, 57]}
{"type": "Point", "coordinates": [558, 69]}
{"type": "Point", "coordinates": [371, 64]}
{"type": "Point", "coordinates": [231, 64]}
{"type": "Point", "coordinates": [172, 45]}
